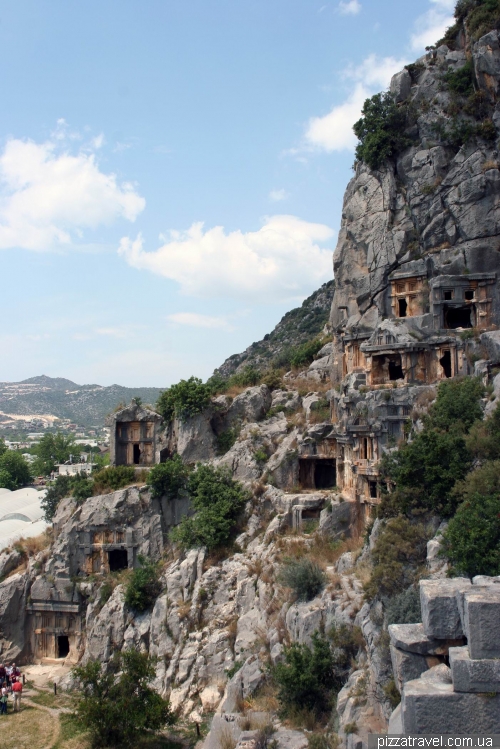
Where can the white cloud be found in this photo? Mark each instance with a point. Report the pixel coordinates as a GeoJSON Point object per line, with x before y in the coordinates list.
{"type": "Point", "coordinates": [280, 261]}
{"type": "Point", "coordinates": [194, 320]}
{"type": "Point", "coordinates": [349, 7]}
{"type": "Point", "coordinates": [277, 195]}
{"type": "Point", "coordinates": [431, 25]}
{"type": "Point", "coordinates": [48, 197]}
{"type": "Point", "coordinates": [333, 131]}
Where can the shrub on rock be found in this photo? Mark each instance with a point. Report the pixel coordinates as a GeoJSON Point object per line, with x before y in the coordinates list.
{"type": "Point", "coordinates": [118, 706]}
{"type": "Point", "coordinates": [304, 577]}
{"type": "Point", "coordinates": [169, 478]}
{"type": "Point", "coordinates": [218, 501]}
{"type": "Point", "coordinates": [144, 586]}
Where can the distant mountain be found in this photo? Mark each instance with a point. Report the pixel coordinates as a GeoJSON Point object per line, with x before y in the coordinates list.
{"type": "Point", "coordinates": [86, 405]}
{"type": "Point", "coordinates": [296, 327]}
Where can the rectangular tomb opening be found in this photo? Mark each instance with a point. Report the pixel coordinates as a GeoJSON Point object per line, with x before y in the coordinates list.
{"type": "Point", "coordinates": [457, 317]}
{"type": "Point", "coordinates": [387, 368]}
{"type": "Point", "coordinates": [445, 362]}
{"type": "Point", "coordinates": [117, 560]}
{"type": "Point", "coordinates": [62, 646]}
{"type": "Point", "coordinates": [317, 473]}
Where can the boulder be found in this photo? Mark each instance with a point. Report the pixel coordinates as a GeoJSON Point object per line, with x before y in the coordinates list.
{"type": "Point", "coordinates": [242, 685]}
{"type": "Point", "coordinates": [13, 640]}
{"type": "Point", "coordinates": [491, 342]}
{"type": "Point", "coordinates": [251, 405]}
{"type": "Point", "coordinates": [401, 85]}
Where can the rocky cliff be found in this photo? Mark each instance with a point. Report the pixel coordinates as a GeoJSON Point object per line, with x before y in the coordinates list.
{"type": "Point", "coordinates": [416, 302]}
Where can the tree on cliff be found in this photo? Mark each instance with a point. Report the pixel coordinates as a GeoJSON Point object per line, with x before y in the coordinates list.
{"type": "Point", "coordinates": [381, 130]}
{"type": "Point", "coordinates": [118, 706]}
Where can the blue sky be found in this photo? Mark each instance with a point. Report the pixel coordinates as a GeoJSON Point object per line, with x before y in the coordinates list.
{"type": "Point", "coordinates": [172, 172]}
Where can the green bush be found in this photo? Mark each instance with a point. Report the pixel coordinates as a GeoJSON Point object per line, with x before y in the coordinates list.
{"type": "Point", "coordinates": [304, 577]}
{"type": "Point", "coordinates": [302, 356]}
{"type": "Point", "coordinates": [113, 478]}
{"type": "Point", "coordinates": [424, 472]}
{"type": "Point", "coordinates": [185, 399]}
{"type": "Point", "coordinates": [404, 608]}
{"type": "Point", "coordinates": [248, 377]}
{"type": "Point", "coordinates": [217, 384]}
{"type": "Point", "coordinates": [392, 693]}
{"type": "Point", "coordinates": [169, 478]}
{"type": "Point", "coordinates": [484, 17]}
{"type": "Point", "coordinates": [61, 488]}
{"type": "Point", "coordinates": [144, 585]}
{"type": "Point", "coordinates": [305, 677]}
{"type": "Point", "coordinates": [14, 470]}
{"type": "Point", "coordinates": [381, 130]}
{"type": "Point", "coordinates": [225, 440]}
{"type": "Point", "coordinates": [218, 501]}
{"type": "Point", "coordinates": [472, 540]}
{"type": "Point", "coordinates": [117, 706]}
{"type": "Point", "coordinates": [346, 642]}
{"type": "Point", "coordinates": [483, 440]}
{"type": "Point", "coordinates": [82, 487]}
{"type": "Point", "coordinates": [461, 81]}
{"type": "Point", "coordinates": [397, 556]}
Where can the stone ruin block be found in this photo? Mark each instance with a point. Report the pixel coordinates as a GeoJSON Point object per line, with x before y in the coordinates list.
{"type": "Point", "coordinates": [408, 666]}
{"type": "Point", "coordinates": [482, 622]}
{"type": "Point", "coordinates": [412, 639]}
{"type": "Point", "coordinates": [470, 675]}
{"type": "Point", "coordinates": [430, 705]}
{"type": "Point", "coordinates": [440, 609]}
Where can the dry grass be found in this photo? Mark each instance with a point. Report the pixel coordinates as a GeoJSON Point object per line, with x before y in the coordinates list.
{"type": "Point", "coordinates": [255, 567]}
{"type": "Point", "coordinates": [183, 609]}
{"type": "Point", "coordinates": [29, 729]}
{"type": "Point", "coordinates": [29, 547]}
{"type": "Point", "coordinates": [321, 416]}
{"type": "Point", "coordinates": [49, 699]}
{"type": "Point", "coordinates": [232, 630]}
{"type": "Point", "coordinates": [226, 739]}
{"type": "Point", "coordinates": [264, 699]}
{"type": "Point", "coordinates": [489, 164]}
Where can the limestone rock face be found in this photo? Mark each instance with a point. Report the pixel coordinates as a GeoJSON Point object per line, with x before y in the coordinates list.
{"type": "Point", "coordinates": [416, 266]}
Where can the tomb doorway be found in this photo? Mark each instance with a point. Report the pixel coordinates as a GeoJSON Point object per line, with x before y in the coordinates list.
{"type": "Point", "coordinates": [117, 560]}
{"type": "Point", "coordinates": [317, 473]}
{"type": "Point", "coordinates": [457, 317]}
{"type": "Point", "coordinates": [62, 646]}
{"type": "Point", "coordinates": [445, 362]}
{"type": "Point", "coordinates": [137, 454]}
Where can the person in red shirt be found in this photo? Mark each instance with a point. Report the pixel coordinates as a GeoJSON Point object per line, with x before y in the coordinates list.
{"type": "Point", "coordinates": [17, 689]}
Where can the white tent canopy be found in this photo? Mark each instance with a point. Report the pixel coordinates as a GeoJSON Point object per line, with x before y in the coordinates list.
{"type": "Point", "coordinates": [21, 515]}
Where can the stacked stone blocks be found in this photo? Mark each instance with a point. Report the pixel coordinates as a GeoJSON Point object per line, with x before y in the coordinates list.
{"type": "Point", "coordinates": [460, 626]}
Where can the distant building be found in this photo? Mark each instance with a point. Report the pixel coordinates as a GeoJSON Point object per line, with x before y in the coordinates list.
{"type": "Point", "coordinates": [71, 469]}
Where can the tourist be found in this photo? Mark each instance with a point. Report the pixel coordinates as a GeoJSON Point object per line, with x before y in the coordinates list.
{"type": "Point", "coordinates": [8, 671]}
{"type": "Point", "coordinates": [4, 698]}
{"type": "Point", "coordinates": [3, 675]}
{"type": "Point", "coordinates": [15, 673]}
{"type": "Point", "coordinates": [17, 689]}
